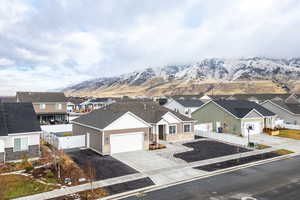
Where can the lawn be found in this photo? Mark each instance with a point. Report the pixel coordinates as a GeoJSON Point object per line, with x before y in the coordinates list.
{"type": "Point", "coordinates": [13, 186]}
{"type": "Point", "coordinates": [289, 133]}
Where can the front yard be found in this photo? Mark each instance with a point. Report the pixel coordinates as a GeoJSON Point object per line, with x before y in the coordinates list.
{"type": "Point", "coordinates": [289, 133]}
{"type": "Point", "coordinates": [13, 186]}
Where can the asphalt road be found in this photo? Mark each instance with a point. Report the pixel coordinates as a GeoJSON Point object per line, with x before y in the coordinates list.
{"type": "Point", "coordinates": [278, 180]}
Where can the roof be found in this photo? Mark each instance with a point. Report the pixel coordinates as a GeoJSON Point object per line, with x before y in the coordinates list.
{"type": "Point", "coordinates": [76, 100]}
{"type": "Point", "coordinates": [190, 102]}
{"type": "Point", "coordinates": [240, 108]}
{"type": "Point", "coordinates": [260, 97]}
{"type": "Point", "coordinates": [292, 107]}
{"type": "Point", "coordinates": [8, 99]}
{"type": "Point", "coordinates": [17, 118]}
{"type": "Point", "coordinates": [150, 112]}
{"type": "Point", "coordinates": [100, 100]}
{"type": "Point", "coordinates": [41, 97]}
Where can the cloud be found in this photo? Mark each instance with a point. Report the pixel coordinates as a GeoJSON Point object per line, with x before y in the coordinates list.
{"type": "Point", "coordinates": [52, 43]}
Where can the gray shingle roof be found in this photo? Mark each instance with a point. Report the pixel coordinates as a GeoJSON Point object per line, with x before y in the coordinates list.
{"type": "Point", "coordinates": [148, 111]}
{"type": "Point", "coordinates": [41, 97]}
{"type": "Point", "coordinates": [17, 118]}
{"type": "Point", "coordinates": [292, 107]}
{"type": "Point", "coordinates": [190, 102]}
{"type": "Point", "coordinates": [260, 97]}
{"type": "Point", "coordinates": [240, 108]}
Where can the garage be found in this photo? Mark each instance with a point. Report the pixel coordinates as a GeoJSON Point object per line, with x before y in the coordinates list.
{"type": "Point", "coordinates": [253, 128]}
{"type": "Point", "coordinates": [126, 142]}
{"type": "Point", "coordinates": [206, 127]}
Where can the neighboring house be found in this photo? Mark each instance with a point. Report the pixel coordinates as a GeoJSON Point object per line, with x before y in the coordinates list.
{"type": "Point", "coordinates": [50, 107]}
{"type": "Point", "coordinates": [96, 103]}
{"type": "Point", "coordinates": [74, 103]}
{"type": "Point", "coordinates": [130, 126]}
{"type": "Point", "coordinates": [259, 98]}
{"type": "Point", "coordinates": [288, 111]}
{"type": "Point", "coordinates": [233, 116]}
{"type": "Point", "coordinates": [19, 132]}
{"type": "Point", "coordinates": [184, 106]}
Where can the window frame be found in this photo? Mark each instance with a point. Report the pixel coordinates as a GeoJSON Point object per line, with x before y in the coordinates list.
{"type": "Point", "coordinates": [24, 147]}
{"type": "Point", "coordinates": [42, 106]}
{"type": "Point", "coordinates": [58, 106]}
{"type": "Point", "coordinates": [190, 129]}
{"type": "Point", "coordinates": [170, 129]}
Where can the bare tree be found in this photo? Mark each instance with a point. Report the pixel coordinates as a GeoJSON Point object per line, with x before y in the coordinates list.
{"type": "Point", "coordinates": [91, 175]}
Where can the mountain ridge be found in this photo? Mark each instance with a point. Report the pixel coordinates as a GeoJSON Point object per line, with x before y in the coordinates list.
{"type": "Point", "coordinates": [203, 75]}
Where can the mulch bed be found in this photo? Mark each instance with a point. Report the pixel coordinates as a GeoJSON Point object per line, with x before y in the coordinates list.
{"type": "Point", "coordinates": [236, 162]}
{"type": "Point", "coordinates": [208, 149]}
{"type": "Point", "coordinates": [117, 188]}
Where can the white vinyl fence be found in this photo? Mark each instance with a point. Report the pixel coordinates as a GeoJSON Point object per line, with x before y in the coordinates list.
{"type": "Point", "coordinates": [57, 128]}
{"type": "Point", "coordinates": [226, 137]}
{"type": "Point", "coordinates": [291, 126]}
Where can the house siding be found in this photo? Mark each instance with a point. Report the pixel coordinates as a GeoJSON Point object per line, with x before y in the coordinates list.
{"type": "Point", "coordinates": [33, 152]}
{"type": "Point", "coordinates": [106, 147]}
{"type": "Point", "coordinates": [180, 134]}
{"type": "Point", "coordinates": [282, 114]}
{"type": "Point", "coordinates": [50, 108]}
{"type": "Point", "coordinates": [2, 157]}
{"type": "Point", "coordinates": [211, 113]}
{"type": "Point", "coordinates": [95, 136]}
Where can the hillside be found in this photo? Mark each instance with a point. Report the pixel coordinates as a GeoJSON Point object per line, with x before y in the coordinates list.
{"type": "Point", "coordinates": [218, 76]}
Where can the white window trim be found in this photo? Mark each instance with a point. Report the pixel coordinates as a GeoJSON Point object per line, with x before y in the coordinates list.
{"type": "Point", "coordinates": [58, 106]}
{"type": "Point", "coordinates": [175, 129]}
{"type": "Point", "coordinates": [190, 124]}
{"type": "Point", "coordinates": [42, 106]}
{"type": "Point", "coordinates": [27, 148]}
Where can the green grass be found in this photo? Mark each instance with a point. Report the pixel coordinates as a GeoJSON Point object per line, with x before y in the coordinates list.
{"type": "Point", "coordinates": [288, 133]}
{"type": "Point", "coordinates": [283, 152]}
{"type": "Point", "coordinates": [14, 186]}
{"type": "Point", "coordinates": [262, 146]}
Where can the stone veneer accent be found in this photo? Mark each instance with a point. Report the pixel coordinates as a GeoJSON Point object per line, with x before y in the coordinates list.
{"type": "Point", "coordinates": [33, 152]}
{"type": "Point", "coordinates": [2, 157]}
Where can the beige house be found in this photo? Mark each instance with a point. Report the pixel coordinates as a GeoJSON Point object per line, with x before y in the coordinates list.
{"type": "Point", "coordinates": [131, 126]}
{"type": "Point", "coordinates": [50, 107]}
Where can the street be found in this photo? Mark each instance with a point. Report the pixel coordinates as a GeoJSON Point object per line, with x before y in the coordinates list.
{"type": "Point", "coordinates": [273, 181]}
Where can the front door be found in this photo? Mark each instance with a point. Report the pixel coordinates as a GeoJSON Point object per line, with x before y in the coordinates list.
{"type": "Point", "coordinates": [161, 132]}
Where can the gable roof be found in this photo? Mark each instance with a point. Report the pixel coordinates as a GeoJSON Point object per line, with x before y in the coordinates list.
{"type": "Point", "coordinates": [291, 107]}
{"type": "Point", "coordinates": [41, 97]}
{"type": "Point", "coordinates": [240, 108]}
{"type": "Point", "coordinates": [150, 112]}
{"type": "Point", "coordinates": [190, 102]}
{"type": "Point", "coordinates": [17, 118]}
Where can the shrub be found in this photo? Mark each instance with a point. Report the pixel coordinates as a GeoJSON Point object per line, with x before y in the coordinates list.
{"type": "Point", "coordinates": [29, 168]}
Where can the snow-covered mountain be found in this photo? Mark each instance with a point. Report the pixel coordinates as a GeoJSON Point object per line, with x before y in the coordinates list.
{"type": "Point", "coordinates": [257, 68]}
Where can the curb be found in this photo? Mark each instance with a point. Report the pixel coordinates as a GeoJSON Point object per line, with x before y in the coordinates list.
{"type": "Point", "coordinates": [210, 174]}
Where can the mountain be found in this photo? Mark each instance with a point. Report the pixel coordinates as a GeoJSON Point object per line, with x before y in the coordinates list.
{"type": "Point", "coordinates": [215, 75]}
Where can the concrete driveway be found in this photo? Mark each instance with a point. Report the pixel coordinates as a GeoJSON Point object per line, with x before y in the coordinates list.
{"type": "Point", "coordinates": [144, 161]}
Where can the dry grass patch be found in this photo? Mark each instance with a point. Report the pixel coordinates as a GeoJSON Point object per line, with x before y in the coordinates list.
{"type": "Point", "coordinates": [283, 152]}
{"type": "Point", "coordinates": [262, 146]}
{"type": "Point", "coordinates": [289, 133]}
{"type": "Point", "coordinates": [13, 186]}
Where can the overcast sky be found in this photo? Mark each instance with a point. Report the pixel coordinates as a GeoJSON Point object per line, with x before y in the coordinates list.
{"type": "Point", "coordinates": [46, 44]}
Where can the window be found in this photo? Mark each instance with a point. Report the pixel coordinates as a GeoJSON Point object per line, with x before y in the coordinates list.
{"type": "Point", "coordinates": [42, 106]}
{"type": "Point", "coordinates": [172, 129]}
{"type": "Point", "coordinates": [21, 144]}
{"type": "Point", "coordinates": [58, 106]}
{"type": "Point", "coordinates": [187, 128]}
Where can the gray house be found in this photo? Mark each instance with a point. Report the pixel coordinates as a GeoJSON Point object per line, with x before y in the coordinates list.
{"type": "Point", "coordinates": [131, 126]}
{"type": "Point", "coordinates": [233, 116]}
{"type": "Point", "coordinates": [19, 132]}
{"type": "Point", "coordinates": [184, 106]}
{"type": "Point", "coordinates": [288, 111]}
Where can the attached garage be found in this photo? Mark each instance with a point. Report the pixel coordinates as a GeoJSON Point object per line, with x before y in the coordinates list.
{"type": "Point", "coordinates": [206, 127]}
{"type": "Point", "coordinates": [253, 128]}
{"type": "Point", "coordinates": [126, 142]}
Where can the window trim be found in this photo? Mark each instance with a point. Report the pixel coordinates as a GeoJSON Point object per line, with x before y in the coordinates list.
{"type": "Point", "coordinates": [190, 124]}
{"type": "Point", "coordinates": [172, 126]}
{"type": "Point", "coordinates": [21, 149]}
{"type": "Point", "coordinates": [58, 106]}
{"type": "Point", "coordinates": [42, 106]}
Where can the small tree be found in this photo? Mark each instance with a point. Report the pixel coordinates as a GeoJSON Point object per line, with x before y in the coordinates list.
{"type": "Point", "coordinates": [91, 175]}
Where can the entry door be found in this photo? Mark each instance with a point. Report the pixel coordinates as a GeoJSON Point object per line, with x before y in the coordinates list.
{"type": "Point", "coordinates": [126, 142]}
{"type": "Point", "coordinates": [161, 132]}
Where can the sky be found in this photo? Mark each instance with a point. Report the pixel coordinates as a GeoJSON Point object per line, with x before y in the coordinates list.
{"type": "Point", "coordinates": [50, 44]}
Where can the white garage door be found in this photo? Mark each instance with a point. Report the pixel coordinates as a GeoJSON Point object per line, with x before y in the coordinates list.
{"type": "Point", "coordinates": [255, 128]}
{"type": "Point", "coordinates": [206, 127]}
{"type": "Point", "coordinates": [126, 142]}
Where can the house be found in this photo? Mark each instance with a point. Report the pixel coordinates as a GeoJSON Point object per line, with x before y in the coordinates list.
{"type": "Point", "coordinates": [130, 126]}
{"type": "Point", "coordinates": [184, 106]}
{"type": "Point", "coordinates": [287, 110]}
{"type": "Point", "coordinates": [19, 132]}
{"type": "Point", "coordinates": [74, 103]}
{"type": "Point", "coordinates": [50, 107]}
{"type": "Point", "coordinates": [233, 116]}
{"type": "Point", "coordinates": [96, 103]}
{"type": "Point", "coordinates": [259, 98]}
